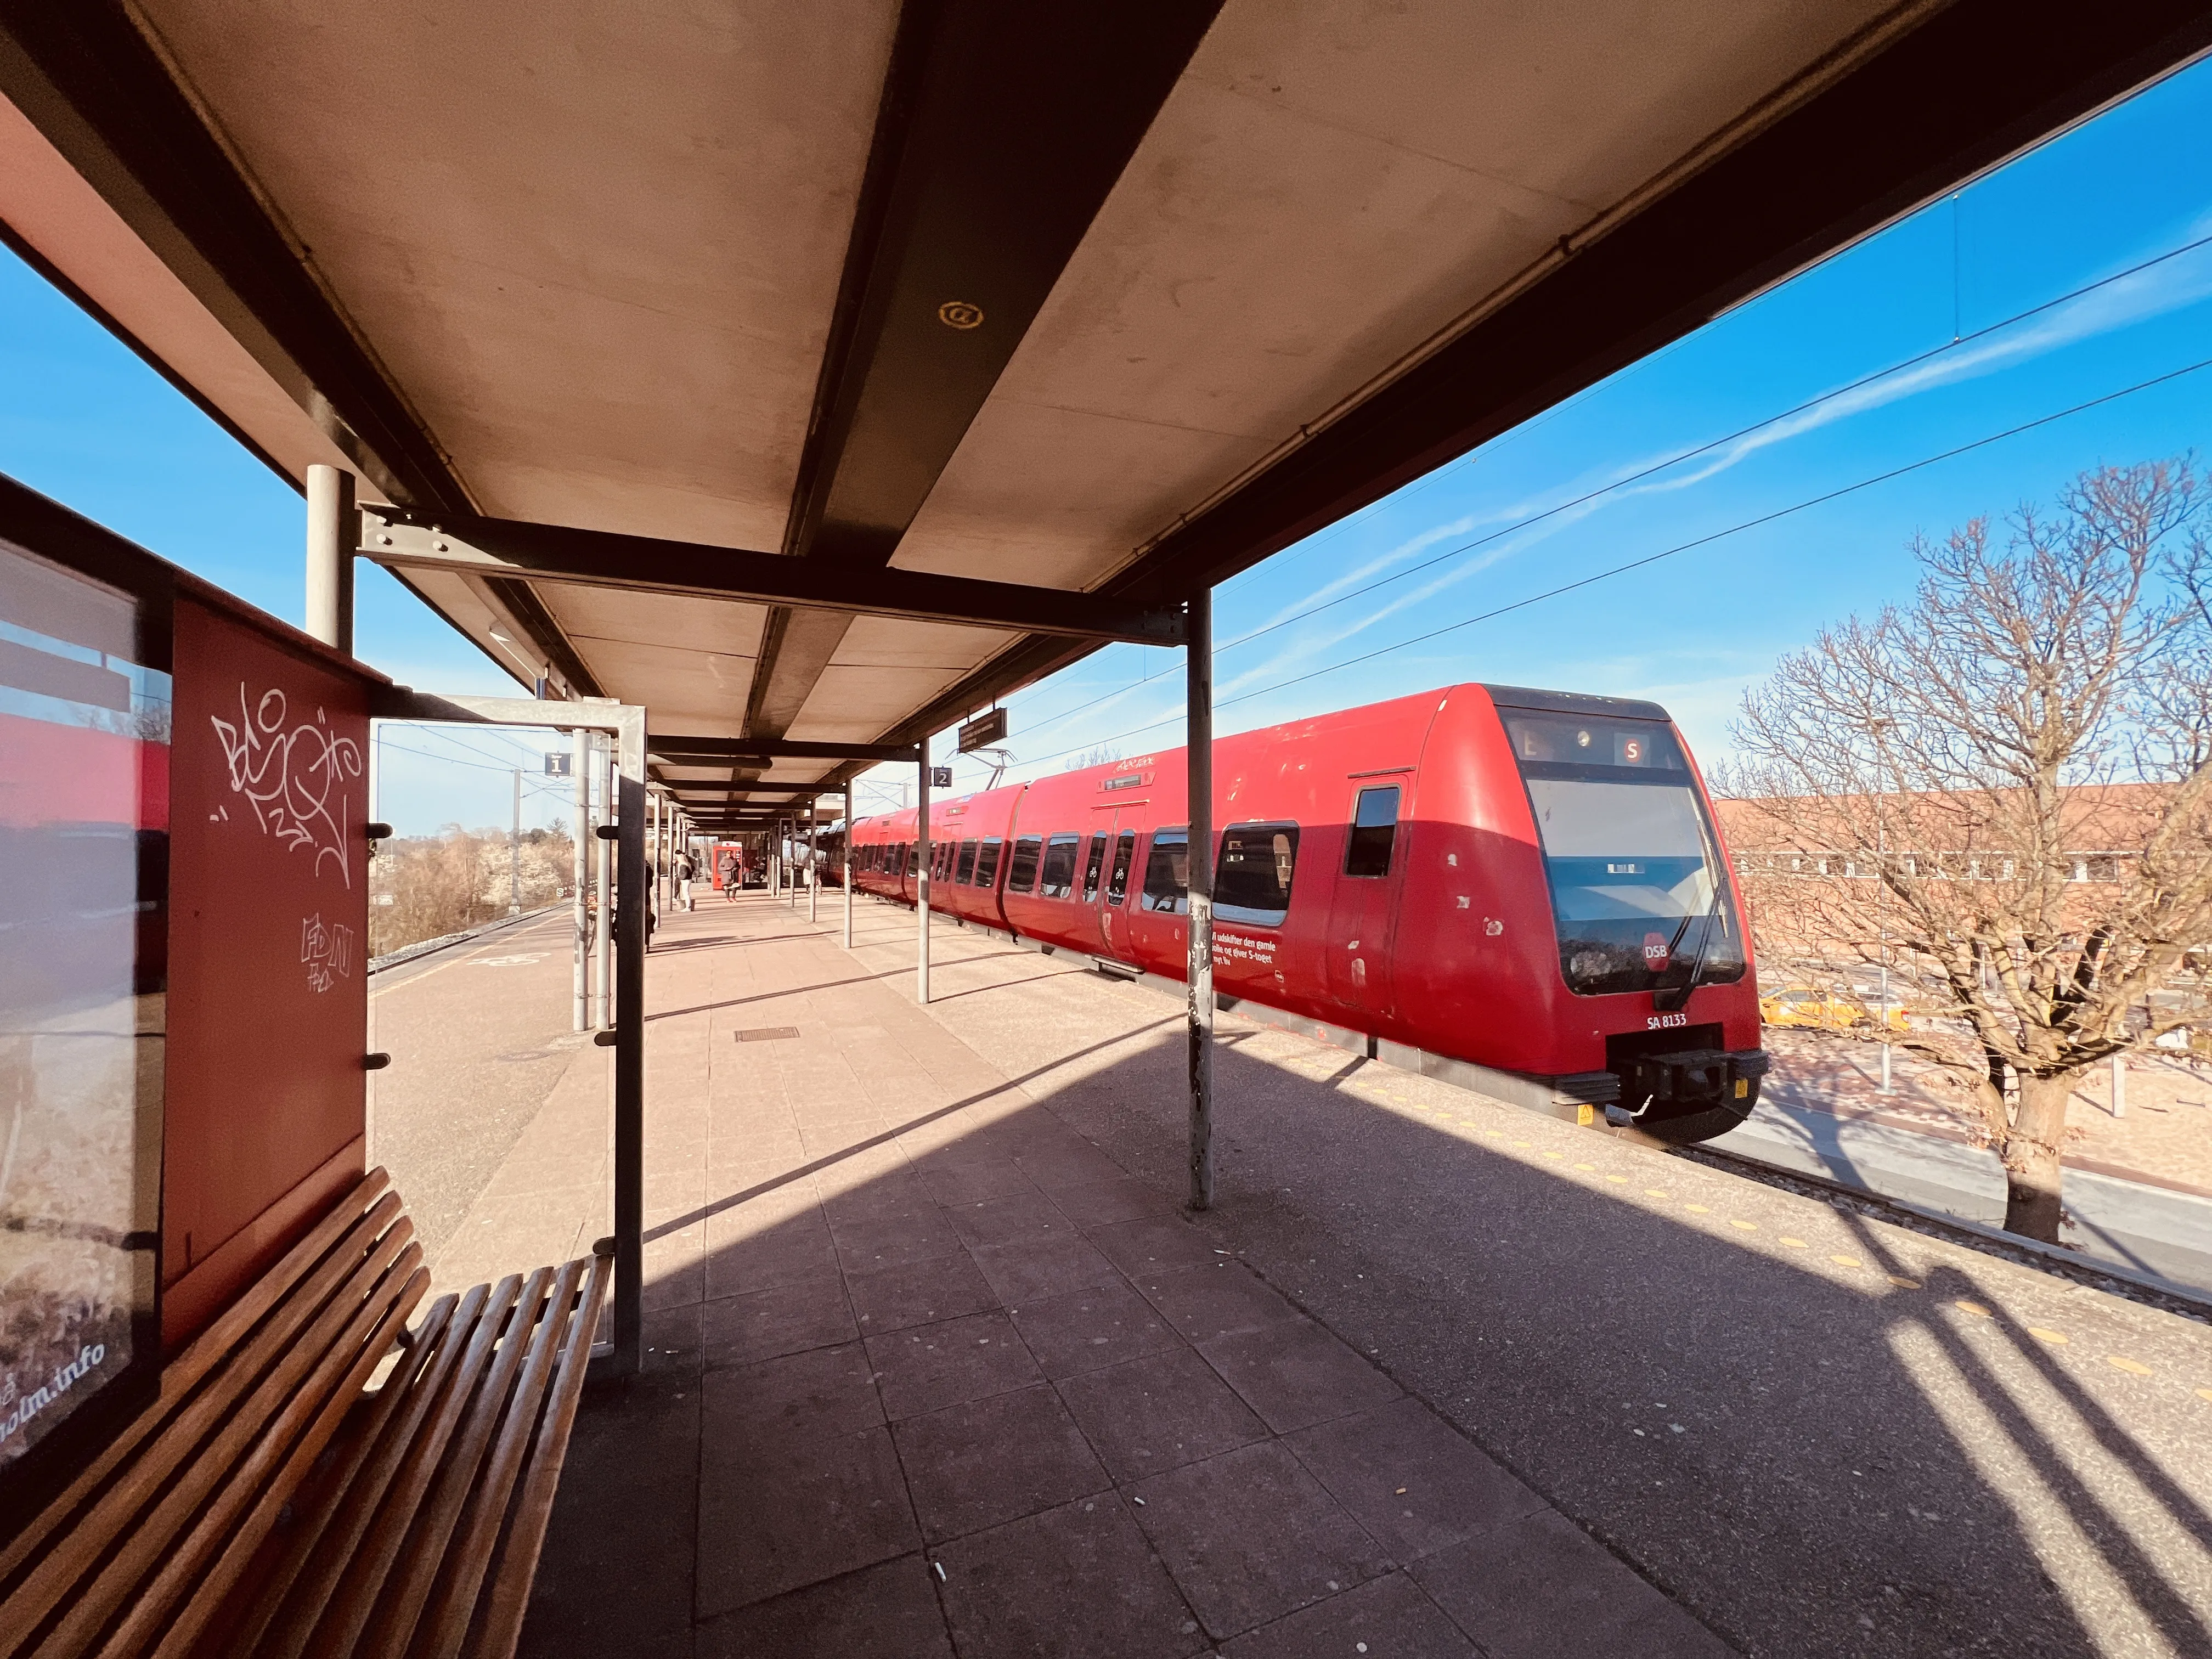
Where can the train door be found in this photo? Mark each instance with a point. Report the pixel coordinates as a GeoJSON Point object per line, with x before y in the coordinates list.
{"type": "Point", "coordinates": [1365, 904]}
{"type": "Point", "coordinates": [1114, 856]}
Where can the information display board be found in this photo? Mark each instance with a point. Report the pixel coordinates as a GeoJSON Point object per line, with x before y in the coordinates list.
{"type": "Point", "coordinates": [85, 716]}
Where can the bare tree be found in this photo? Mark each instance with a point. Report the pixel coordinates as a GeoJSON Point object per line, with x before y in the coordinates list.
{"type": "Point", "coordinates": [2006, 788]}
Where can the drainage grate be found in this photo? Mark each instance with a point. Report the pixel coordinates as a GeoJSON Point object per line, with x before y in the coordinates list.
{"type": "Point", "coordinates": [768, 1033]}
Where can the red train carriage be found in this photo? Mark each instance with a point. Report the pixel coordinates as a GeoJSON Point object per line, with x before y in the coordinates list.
{"type": "Point", "coordinates": [1525, 890]}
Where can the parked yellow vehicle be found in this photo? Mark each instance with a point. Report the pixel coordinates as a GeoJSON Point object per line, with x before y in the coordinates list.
{"type": "Point", "coordinates": [1825, 1011]}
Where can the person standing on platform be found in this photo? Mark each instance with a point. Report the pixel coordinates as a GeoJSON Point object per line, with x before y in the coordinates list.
{"type": "Point", "coordinates": [683, 880]}
{"type": "Point", "coordinates": [733, 873]}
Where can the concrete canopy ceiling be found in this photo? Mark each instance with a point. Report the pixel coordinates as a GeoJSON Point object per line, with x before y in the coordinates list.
{"type": "Point", "coordinates": [682, 273]}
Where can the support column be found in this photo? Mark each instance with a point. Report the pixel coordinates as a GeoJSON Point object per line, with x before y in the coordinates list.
{"type": "Point", "coordinates": [627, 777]}
{"type": "Point", "coordinates": [921, 878]}
{"type": "Point", "coordinates": [1199, 759]}
{"type": "Point", "coordinates": [813, 851]}
{"type": "Point", "coordinates": [333, 532]}
{"type": "Point", "coordinates": [847, 846]}
{"type": "Point", "coordinates": [603, 764]}
{"type": "Point", "coordinates": [580, 765]}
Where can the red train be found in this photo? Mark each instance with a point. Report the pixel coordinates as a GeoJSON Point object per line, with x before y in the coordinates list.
{"type": "Point", "coordinates": [1522, 891]}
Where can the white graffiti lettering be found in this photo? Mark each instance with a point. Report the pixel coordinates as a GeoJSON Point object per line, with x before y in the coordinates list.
{"type": "Point", "coordinates": [327, 949]}
{"type": "Point", "coordinates": [296, 778]}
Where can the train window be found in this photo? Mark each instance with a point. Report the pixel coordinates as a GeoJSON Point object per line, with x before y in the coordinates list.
{"type": "Point", "coordinates": [1167, 873]}
{"type": "Point", "coordinates": [1022, 876]}
{"type": "Point", "coordinates": [909, 859]}
{"type": "Point", "coordinates": [987, 862]}
{"type": "Point", "coordinates": [1058, 868]}
{"type": "Point", "coordinates": [1094, 865]}
{"type": "Point", "coordinates": [1117, 882]}
{"type": "Point", "coordinates": [1374, 828]}
{"type": "Point", "coordinates": [964, 873]}
{"type": "Point", "coordinates": [940, 866]}
{"type": "Point", "coordinates": [1252, 881]}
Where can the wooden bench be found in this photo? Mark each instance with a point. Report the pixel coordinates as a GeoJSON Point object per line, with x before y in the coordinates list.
{"type": "Point", "coordinates": [317, 1479]}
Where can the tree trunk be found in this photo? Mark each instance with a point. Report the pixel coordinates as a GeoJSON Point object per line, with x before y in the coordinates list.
{"type": "Point", "coordinates": [2031, 1155]}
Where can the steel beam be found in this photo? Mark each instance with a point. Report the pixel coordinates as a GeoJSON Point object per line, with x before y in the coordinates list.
{"type": "Point", "coordinates": [405, 539]}
{"type": "Point", "coordinates": [669, 747]}
{"type": "Point", "coordinates": [1000, 133]}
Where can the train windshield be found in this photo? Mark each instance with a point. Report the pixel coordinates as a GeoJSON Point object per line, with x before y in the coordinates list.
{"type": "Point", "coordinates": [1634, 866]}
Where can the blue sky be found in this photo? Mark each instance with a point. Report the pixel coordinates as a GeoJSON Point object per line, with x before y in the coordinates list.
{"type": "Point", "coordinates": [2059, 280]}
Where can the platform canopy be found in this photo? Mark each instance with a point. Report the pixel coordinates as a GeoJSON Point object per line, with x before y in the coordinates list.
{"type": "Point", "coordinates": [1112, 299]}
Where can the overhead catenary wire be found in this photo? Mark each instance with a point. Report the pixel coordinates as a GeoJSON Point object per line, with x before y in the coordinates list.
{"type": "Point", "coordinates": [1667, 553]}
{"type": "Point", "coordinates": [1809, 404]}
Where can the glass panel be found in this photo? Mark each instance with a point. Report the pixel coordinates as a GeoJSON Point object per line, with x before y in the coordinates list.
{"type": "Point", "coordinates": [987, 863]}
{"type": "Point", "coordinates": [965, 874]}
{"type": "Point", "coordinates": [1094, 864]}
{"type": "Point", "coordinates": [1570, 740]}
{"type": "Point", "coordinates": [1058, 868]}
{"type": "Point", "coordinates": [1252, 884]}
{"type": "Point", "coordinates": [1374, 828]}
{"type": "Point", "coordinates": [1633, 885]}
{"type": "Point", "coordinates": [1023, 876]}
{"type": "Point", "coordinates": [84, 739]}
{"type": "Point", "coordinates": [1125, 852]}
{"type": "Point", "coordinates": [1167, 871]}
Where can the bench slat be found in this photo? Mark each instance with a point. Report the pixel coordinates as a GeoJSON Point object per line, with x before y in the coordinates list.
{"type": "Point", "coordinates": [231, 1407]}
{"type": "Point", "coordinates": [230, 1532]}
{"type": "Point", "coordinates": [244, 1445]}
{"type": "Point", "coordinates": [392, 1629]}
{"type": "Point", "coordinates": [500, 1625]}
{"type": "Point", "coordinates": [444, 1623]}
{"type": "Point", "coordinates": [338, 1627]}
{"type": "Point", "coordinates": [184, 1373]}
{"type": "Point", "coordinates": [327, 1539]}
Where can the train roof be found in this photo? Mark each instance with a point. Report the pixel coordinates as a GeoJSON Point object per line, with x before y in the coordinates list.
{"type": "Point", "coordinates": [1576, 702]}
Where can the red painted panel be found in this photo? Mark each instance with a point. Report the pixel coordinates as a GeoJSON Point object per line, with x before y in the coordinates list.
{"type": "Point", "coordinates": [268, 999]}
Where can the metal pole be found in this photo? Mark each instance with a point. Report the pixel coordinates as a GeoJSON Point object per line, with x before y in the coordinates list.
{"type": "Point", "coordinates": [604, 945]}
{"type": "Point", "coordinates": [921, 877]}
{"type": "Point", "coordinates": [580, 762]}
{"type": "Point", "coordinates": [514, 853]}
{"type": "Point", "coordinates": [847, 846]}
{"type": "Point", "coordinates": [628, 916]}
{"type": "Point", "coordinates": [333, 532]}
{"type": "Point", "coordinates": [1198, 697]}
{"type": "Point", "coordinates": [813, 870]}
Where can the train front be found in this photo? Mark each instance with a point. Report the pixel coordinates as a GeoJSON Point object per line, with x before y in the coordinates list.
{"type": "Point", "coordinates": [1651, 941]}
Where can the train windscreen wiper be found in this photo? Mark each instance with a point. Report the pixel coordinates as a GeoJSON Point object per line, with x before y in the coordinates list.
{"type": "Point", "coordinates": [1672, 998]}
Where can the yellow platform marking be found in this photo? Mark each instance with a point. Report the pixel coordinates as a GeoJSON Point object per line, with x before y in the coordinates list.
{"type": "Point", "coordinates": [1904, 1284]}
{"type": "Point", "coordinates": [1797, 1244]}
{"type": "Point", "coordinates": [1557, 1155]}
{"type": "Point", "coordinates": [1585, 1166]}
{"type": "Point", "coordinates": [2132, 1367]}
{"type": "Point", "coordinates": [1973, 1308]}
{"type": "Point", "coordinates": [1748, 1226]}
{"type": "Point", "coordinates": [1657, 1192]}
{"type": "Point", "coordinates": [1699, 1209]}
{"type": "Point", "coordinates": [2042, 1335]}
{"type": "Point", "coordinates": [1623, 1180]}
{"type": "Point", "coordinates": [1847, 1261]}
{"type": "Point", "coordinates": [2204, 1393]}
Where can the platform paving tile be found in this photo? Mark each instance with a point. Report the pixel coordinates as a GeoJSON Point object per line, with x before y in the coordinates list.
{"type": "Point", "coordinates": [1086, 1330]}
{"type": "Point", "coordinates": [918, 1293]}
{"type": "Point", "coordinates": [1159, 1411]}
{"type": "Point", "coordinates": [963, 1383]}
{"type": "Point", "coordinates": [1295, 1374]}
{"type": "Point", "coordinates": [1249, 1536]}
{"type": "Point", "coordinates": [889, 1611]}
{"type": "Point", "coordinates": [786, 1318]}
{"type": "Point", "coordinates": [1542, 1589]}
{"type": "Point", "coordinates": [1390, 1615]}
{"type": "Point", "coordinates": [1077, 1582]}
{"type": "Point", "coordinates": [995, 1459]}
{"type": "Point", "coordinates": [930, 1366]}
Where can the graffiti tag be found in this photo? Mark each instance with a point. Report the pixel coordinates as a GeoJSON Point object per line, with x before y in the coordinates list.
{"type": "Point", "coordinates": [295, 778]}
{"type": "Point", "coordinates": [327, 949]}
